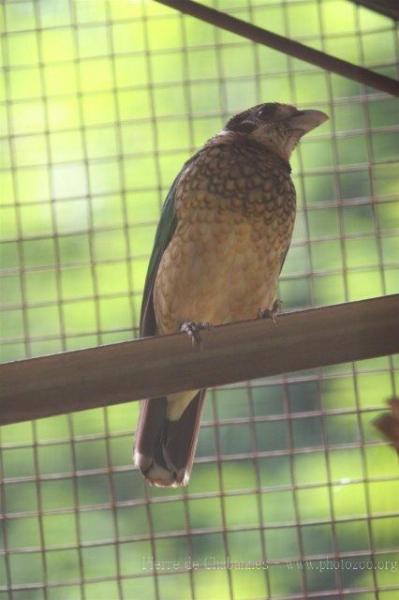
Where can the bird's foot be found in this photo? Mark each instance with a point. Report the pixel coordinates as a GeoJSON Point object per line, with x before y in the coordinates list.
{"type": "Point", "coordinates": [270, 313]}
{"type": "Point", "coordinates": [193, 330]}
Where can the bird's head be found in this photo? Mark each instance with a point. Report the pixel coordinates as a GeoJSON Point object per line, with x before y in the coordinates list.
{"type": "Point", "coordinates": [279, 127]}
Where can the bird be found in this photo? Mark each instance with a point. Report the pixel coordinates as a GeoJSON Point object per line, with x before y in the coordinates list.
{"type": "Point", "coordinates": [223, 235]}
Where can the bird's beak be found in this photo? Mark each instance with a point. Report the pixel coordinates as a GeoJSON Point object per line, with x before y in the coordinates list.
{"type": "Point", "coordinates": [306, 120]}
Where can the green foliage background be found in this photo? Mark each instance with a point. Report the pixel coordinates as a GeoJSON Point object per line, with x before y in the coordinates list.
{"type": "Point", "coordinates": [99, 108]}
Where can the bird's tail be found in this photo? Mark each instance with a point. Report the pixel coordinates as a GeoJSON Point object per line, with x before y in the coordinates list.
{"type": "Point", "coordinates": [164, 449]}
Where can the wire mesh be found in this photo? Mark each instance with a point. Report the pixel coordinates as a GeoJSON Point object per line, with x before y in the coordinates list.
{"type": "Point", "coordinates": [293, 494]}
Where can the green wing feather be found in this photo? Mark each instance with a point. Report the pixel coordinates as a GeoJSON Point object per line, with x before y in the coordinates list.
{"type": "Point", "coordinates": [166, 228]}
{"type": "Point", "coordinates": [164, 234]}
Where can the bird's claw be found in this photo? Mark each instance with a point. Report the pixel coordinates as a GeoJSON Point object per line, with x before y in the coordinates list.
{"type": "Point", "coordinates": [193, 331]}
{"type": "Point", "coordinates": [270, 313]}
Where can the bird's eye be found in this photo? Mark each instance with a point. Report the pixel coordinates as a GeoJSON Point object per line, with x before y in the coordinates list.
{"type": "Point", "coordinates": [267, 111]}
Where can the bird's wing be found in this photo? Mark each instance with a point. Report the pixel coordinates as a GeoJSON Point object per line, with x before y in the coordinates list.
{"type": "Point", "coordinates": [283, 259]}
{"type": "Point", "coordinates": [164, 234]}
{"type": "Point", "coordinates": [165, 230]}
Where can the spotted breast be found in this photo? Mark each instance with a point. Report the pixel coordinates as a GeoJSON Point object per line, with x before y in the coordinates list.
{"type": "Point", "coordinates": [235, 207]}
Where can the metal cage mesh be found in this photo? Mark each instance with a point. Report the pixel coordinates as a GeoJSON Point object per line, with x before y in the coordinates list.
{"type": "Point", "coordinates": [293, 493]}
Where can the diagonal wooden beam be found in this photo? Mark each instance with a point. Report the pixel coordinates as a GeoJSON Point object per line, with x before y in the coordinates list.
{"type": "Point", "coordinates": [388, 8]}
{"type": "Point", "coordinates": [286, 45]}
{"type": "Point", "coordinates": [96, 377]}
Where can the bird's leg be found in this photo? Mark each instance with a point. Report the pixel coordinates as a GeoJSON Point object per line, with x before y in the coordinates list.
{"type": "Point", "coordinates": [270, 313]}
{"type": "Point", "coordinates": [193, 330]}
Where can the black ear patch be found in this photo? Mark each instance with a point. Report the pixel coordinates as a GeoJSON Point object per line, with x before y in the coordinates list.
{"type": "Point", "coordinates": [246, 126]}
{"type": "Point", "coordinates": [241, 123]}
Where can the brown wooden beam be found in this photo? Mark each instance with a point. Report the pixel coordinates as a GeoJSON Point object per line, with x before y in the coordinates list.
{"type": "Point", "coordinates": [286, 45]}
{"type": "Point", "coordinates": [388, 8]}
{"type": "Point", "coordinates": [61, 383]}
